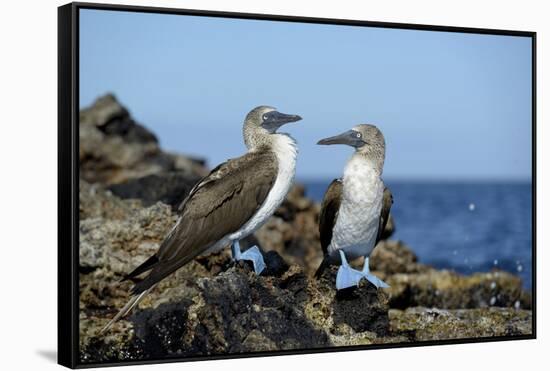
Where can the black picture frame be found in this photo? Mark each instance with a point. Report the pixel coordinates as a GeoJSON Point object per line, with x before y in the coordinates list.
{"type": "Point", "coordinates": [68, 175]}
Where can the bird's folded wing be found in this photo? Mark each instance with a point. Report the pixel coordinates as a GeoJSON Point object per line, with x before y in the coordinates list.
{"type": "Point", "coordinates": [327, 219]}
{"type": "Point", "coordinates": [329, 212]}
{"type": "Point", "coordinates": [220, 204]}
{"type": "Point", "coordinates": [387, 202]}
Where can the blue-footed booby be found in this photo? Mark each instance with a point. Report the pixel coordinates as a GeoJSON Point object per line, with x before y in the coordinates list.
{"type": "Point", "coordinates": [355, 209]}
{"type": "Point", "coordinates": [229, 204]}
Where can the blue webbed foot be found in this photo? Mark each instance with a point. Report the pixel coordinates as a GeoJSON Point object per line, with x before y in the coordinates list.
{"type": "Point", "coordinates": [349, 277]}
{"type": "Point", "coordinates": [253, 254]}
{"type": "Point", "coordinates": [371, 277]}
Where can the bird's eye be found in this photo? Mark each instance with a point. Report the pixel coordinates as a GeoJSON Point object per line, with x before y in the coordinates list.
{"type": "Point", "coordinates": [358, 135]}
{"type": "Point", "coordinates": [265, 117]}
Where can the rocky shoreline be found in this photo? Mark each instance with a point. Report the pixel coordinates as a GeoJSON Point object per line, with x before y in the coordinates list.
{"type": "Point", "coordinates": [128, 190]}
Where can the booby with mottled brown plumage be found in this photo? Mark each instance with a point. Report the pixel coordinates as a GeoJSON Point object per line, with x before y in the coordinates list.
{"type": "Point", "coordinates": [229, 204]}
{"type": "Point", "coordinates": [355, 209]}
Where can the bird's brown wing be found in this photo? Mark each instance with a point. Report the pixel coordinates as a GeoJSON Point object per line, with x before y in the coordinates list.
{"type": "Point", "coordinates": [220, 204]}
{"type": "Point", "coordinates": [215, 174]}
{"type": "Point", "coordinates": [327, 218]}
{"type": "Point", "coordinates": [387, 202]}
{"type": "Point", "coordinates": [329, 212]}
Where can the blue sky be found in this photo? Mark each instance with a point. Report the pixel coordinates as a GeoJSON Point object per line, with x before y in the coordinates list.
{"type": "Point", "coordinates": [451, 106]}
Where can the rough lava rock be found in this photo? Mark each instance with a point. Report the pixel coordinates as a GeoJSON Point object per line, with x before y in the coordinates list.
{"type": "Point", "coordinates": [114, 148]}
{"type": "Point", "coordinates": [170, 188]}
{"type": "Point", "coordinates": [213, 306]}
{"type": "Point", "coordinates": [414, 284]}
{"type": "Point", "coordinates": [422, 324]}
{"type": "Point", "coordinates": [447, 289]}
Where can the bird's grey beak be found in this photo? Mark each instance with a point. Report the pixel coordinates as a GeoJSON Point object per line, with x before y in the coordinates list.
{"type": "Point", "coordinates": [351, 138]}
{"type": "Point", "coordinates": [273, 120]}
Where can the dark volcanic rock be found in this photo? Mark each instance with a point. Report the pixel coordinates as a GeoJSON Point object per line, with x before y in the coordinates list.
{"type": "Point", "coordinates": [238, 311]}
{"type": "Point", "coordinates": [121, 124]}
{"type": "Point", "coordinates": [170, 188]}
{"type": "Point", "coordinates": [158, 331]}
{"type": "Point", "coordinates": [237, 305]}
{"type": "Point", "coordinates": [210, 305]}
{"type": "Point", "coordinates": [213, 306]}
{"type": "Point", "coordinates": [114, 148]}
{"type": "Point", "coordinates": [350, 301]}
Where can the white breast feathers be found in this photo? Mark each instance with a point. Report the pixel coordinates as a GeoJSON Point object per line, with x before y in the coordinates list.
{"type": "Point", "coordinates": [358, 219]}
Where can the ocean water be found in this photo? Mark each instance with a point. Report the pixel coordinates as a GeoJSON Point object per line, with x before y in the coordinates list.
{"type": "Point", "coordinates": [467, 227]}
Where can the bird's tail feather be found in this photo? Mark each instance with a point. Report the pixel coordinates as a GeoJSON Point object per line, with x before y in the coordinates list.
{"type": "Point", "coordinates": [125, 310]}
{"type": "Point", "coordinates": [144, 267]}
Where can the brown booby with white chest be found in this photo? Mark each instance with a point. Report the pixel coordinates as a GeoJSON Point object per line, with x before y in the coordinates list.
{"type": "Point", "coordinates": [229, 204]}
{"type": "Point", "coordinates": [355, 209]}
